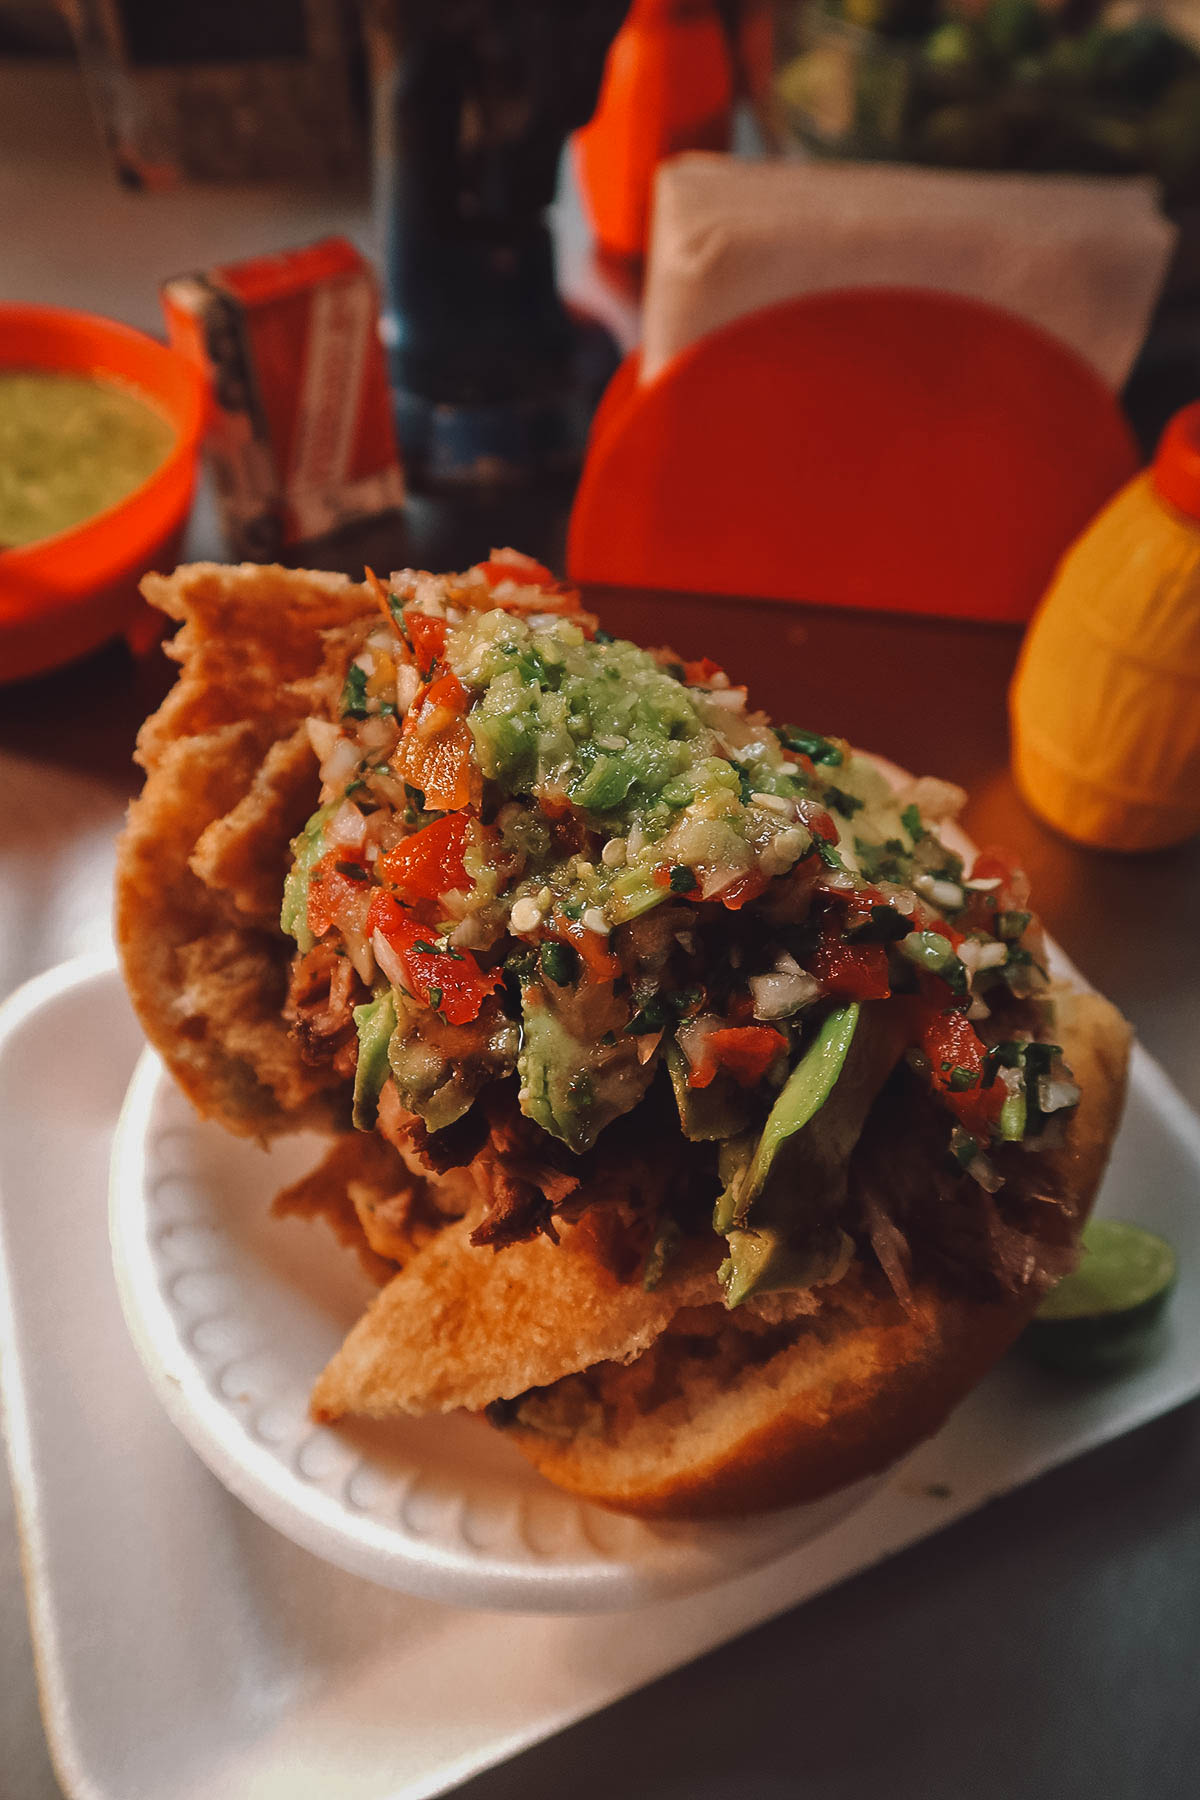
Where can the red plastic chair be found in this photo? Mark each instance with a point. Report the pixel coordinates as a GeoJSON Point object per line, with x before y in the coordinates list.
{"type": "Point", "coordinates": [896, 449]}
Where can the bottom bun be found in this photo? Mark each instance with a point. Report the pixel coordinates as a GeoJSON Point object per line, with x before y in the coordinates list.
{"type": "Point", "coordinates": [723, 1417]}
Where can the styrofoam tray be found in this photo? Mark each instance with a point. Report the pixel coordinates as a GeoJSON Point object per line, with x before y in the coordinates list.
{"type": "Point", "coordinates": [186, 1651]}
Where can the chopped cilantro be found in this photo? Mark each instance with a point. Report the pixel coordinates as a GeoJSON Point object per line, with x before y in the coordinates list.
{"type": "Point", "coordinates": [841, 801]}
{"type": "Point", "coordinates": [809, 743]}
{"type": "Point", "coordinates": [910, 818]}
{"type": "Point", "coordinates": [604, 637]}
{"type": "Point", "coordinates": [881, 862]}
{"type": "Point", "coordinates": [828, 853]}
{"type": "Point", "coordinates": [435, 998]}
{"type": "Point", "coordinates": [682, 879]}
{"type": "Point", "coordinates": [652, 1015]}
{"type": "Point", "coordinates": [961, 1079]}
{"type": "Point", "coordinates": [354, 693]}
{"type": "Point", "coordinates": [352, 871]}
{"type": "Point", "coordinates": [1012, 925]}
{"type": "Point", "coordinates": [559, 962]}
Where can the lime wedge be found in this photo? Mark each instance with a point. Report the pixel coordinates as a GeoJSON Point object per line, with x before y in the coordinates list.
{"type": "Point", "coordinates": [1102, 1316]}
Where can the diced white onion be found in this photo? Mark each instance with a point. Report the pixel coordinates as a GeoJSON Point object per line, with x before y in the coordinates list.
{"type": "Point", "coordinates": [407, 684]}
{"type": "Point", "coordinates": [470, 934]}
{"type": "Point", "coordinates": [730, 699]}
{"type": "Point", "coordinates": [778, 996]}
{"type": "Point", "coordinates": [389, 961]}
{"type": "Point", "coordinates": [322, 735]}
{"type": "Point", "coordinates": [359, 952]}
{"type": "Point", "coordinates": [985, 884]}
{"type": "Point", "coordinates": [784, 849]}
{"type": "Point", "coordinates": [646, 1045]}
{"type": "Point", "coordinates": [613, 853]}
{"type": "Point", "coordinates": [366, 662]}
{"type": "Point", "coordinates": [946, 894]}
{"type": "Point", "coordinates": [341, 762]}
{"type": "Point", "coordinates": [594, 920]}
{"type": "Point", "coordinates": [347, 826]}
{"type": "Point", "coordinates": [690, 1036]}
{"type": "Point", "coordinates": [983, 1171]}
{"type": "Point", "coordinates": [775, 803]}
{"type": "Point", "coordinates": [715, 881]}
{"type": "Point", "coordinates": [978, 1009]}
{"type": "Point", "coordinates": [1054, 1094]}
{"type": "Point", "coordinates": [375, 732]}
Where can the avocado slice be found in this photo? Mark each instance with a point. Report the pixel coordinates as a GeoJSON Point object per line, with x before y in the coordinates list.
{"type": "Point", "coordinates": [779, 1213]}
{"type": "Point", "coordinates": [705, 1114]}
{"type": "Point", "coordinates": [307, 851]}
{"type": "Point", "coordinates": [375, 1022]}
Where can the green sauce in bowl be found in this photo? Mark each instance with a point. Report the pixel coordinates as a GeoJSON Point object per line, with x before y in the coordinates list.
{"type": "Point", "coordinates": [70, 447]}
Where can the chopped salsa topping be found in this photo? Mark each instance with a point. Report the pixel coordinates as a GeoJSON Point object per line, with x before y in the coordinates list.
{"type": "Point", "coordinates": [569, 864]}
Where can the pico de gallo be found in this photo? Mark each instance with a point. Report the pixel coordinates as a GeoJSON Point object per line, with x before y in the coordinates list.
{"type": "Point", "coordinates": [556, 882]}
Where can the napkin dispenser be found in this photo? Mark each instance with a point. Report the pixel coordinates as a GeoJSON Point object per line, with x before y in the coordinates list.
{"type": "Point", "coordinates": [889, 436]}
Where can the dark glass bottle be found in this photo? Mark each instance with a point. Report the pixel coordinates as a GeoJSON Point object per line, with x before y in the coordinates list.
{"type": "Point", "coordinates": [494, 377]}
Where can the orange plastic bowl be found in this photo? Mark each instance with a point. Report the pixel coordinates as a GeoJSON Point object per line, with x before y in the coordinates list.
{"type": "Point", "coordinates": [64, 595]}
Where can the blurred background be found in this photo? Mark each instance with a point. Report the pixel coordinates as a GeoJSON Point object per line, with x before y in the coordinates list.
{"type": "Point", "coordinates": [828, 338]}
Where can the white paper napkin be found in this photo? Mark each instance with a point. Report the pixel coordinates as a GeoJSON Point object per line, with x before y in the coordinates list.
{"type": "Point", "coordinates": [1082, 256]}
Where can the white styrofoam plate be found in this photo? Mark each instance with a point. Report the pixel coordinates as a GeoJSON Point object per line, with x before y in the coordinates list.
{"type": "Point", "coordinates": [235, 1313]}
{"type": "Point", "coordinates": [271, 1675]}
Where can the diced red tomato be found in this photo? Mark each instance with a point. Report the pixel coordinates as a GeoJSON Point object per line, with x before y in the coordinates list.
{"type": "Point", "coordinates": [745, 1051]}
{"type": "Point", "coordinates": [989, 866]}
{"type": "Point", "coordinates": [430, 862]}
{"type": "Point", "coordinates": [452, 981]}
{"type": "Point", "coordinates": [698, 674]}
{"type": "Point", "coordinates": [329, 890]}
{"type": "Point", "coordinates": [747, 887]}
{"type": "Point", "coordinates": [436, 751]}
{"type": "Point", "coordinates": [428, 638]}
{"type": "Point", "coordinates": [527, 571]}
{"type": "Point", "coordinates": [853, 971]}
{"type": "Point", "coordinates": [951, 1042]}
{"type": "Point", "coordinates": [1011, 895]}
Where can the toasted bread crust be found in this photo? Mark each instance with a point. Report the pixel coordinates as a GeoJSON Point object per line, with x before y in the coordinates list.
{"type": "Point", "coordinates": [200, 865]}
{"type": "Point", "coordinates": [844, 1403]}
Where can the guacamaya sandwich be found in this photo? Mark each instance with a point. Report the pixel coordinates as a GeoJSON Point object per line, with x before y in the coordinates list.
{"type": "Point", "coordinates": [710, 1125]}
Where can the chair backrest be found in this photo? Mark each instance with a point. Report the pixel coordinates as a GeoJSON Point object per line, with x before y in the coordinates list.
{"type": "Point", "coordinates": [897, 449]}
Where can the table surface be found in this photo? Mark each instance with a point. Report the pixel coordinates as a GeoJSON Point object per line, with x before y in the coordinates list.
{"type": "Point", "coordinates": [1048, 1646]}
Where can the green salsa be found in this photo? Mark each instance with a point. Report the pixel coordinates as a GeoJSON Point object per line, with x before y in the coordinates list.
{"type": "Point", "coordinates": [70, 447]}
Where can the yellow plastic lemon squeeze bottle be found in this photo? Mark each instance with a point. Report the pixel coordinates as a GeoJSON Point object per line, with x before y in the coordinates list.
{"type": "Point", "coordinates": [1105, 702]}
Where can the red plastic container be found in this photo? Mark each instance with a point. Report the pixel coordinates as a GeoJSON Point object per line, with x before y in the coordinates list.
{"type": "Point", "coordinates": [66, 594]}
{"type": "Point", "coordinates": [668, 86]}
